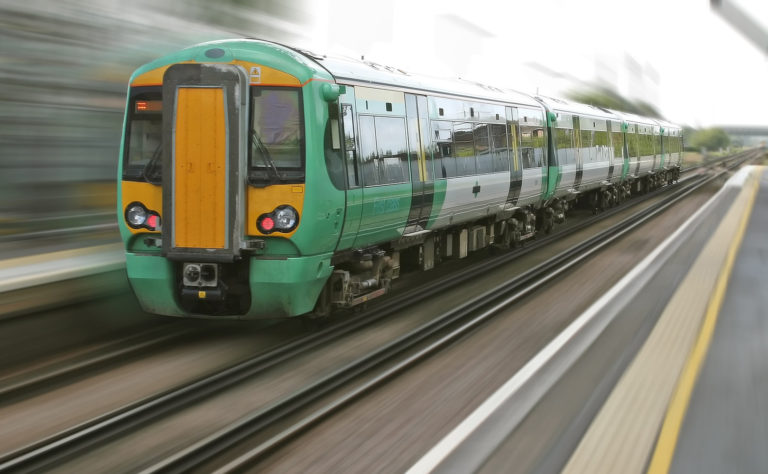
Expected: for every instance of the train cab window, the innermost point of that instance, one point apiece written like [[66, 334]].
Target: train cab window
[[144, 142], [277, 135]]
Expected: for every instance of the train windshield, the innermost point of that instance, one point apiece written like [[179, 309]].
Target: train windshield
[[143, 153], [276, 136]]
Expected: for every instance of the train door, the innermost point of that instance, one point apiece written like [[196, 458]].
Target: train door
[[422, 176], [580, 152], [515, 168], [382, 159], [354, 199]]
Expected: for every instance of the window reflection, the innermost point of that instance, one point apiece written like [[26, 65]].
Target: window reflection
[[500, 148], [276, 133], [464, 149], [383, 150]]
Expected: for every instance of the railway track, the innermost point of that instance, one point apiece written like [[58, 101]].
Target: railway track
[[395, 358], [425, 341]]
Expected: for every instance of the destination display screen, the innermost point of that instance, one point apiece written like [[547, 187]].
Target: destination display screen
[[148, 106]]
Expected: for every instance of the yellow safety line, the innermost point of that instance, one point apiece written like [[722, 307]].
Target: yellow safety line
[[673, 421]]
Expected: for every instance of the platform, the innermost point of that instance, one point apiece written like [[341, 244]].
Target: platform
[[37, 281], [695, 398]]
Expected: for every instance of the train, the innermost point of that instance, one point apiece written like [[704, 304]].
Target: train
[[257, 180]]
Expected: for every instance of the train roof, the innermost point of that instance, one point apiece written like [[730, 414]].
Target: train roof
[[634, 118], [669, 125], [368, 73], [563, 105]]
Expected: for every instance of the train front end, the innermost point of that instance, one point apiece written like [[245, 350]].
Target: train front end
[[225, 206]]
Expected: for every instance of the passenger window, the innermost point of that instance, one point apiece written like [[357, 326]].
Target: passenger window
[[483, 149], [464, 149], [565, 151], [618, 144], [532, 141], [445, 163], [368, 151], [383, 150], [392, 149], [500, 148]]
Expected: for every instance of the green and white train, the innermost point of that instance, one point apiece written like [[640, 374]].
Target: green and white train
[[261, 181]]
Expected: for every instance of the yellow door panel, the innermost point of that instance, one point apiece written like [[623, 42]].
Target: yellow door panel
[[200, 168]]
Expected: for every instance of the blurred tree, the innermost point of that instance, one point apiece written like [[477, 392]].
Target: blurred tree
[[607, 98], [709, 139]]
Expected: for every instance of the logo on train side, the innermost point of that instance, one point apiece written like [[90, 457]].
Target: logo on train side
[[255, 75], [384, 206]]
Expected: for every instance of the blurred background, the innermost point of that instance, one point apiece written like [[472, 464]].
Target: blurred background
[[64, 67]]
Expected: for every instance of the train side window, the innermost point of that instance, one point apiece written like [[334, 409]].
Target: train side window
[[500, 148], [587, 137], [442, 139], [483, 148], [617, 139], [350, 149], [601, 143], [532, 138], [464, 149], [334, 161], [392, 148], [531, 144], [564, 140], [368, 160], [383, 150]]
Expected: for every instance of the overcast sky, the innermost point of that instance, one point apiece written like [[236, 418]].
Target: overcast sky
[[678, 55]]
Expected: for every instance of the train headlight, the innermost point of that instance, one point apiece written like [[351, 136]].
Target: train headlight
[[139, 217], [283, 219], [136, 215]]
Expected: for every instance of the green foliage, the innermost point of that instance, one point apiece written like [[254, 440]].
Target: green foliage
[[609, 99], [708, 138]]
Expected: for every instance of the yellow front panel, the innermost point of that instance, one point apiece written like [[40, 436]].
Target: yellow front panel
[[148, 194], [200, 167], [265, 200]]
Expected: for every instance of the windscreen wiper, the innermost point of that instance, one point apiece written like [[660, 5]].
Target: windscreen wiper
[[151, 170], [265, 156]]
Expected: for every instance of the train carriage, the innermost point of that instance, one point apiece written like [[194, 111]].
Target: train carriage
[[646, 163], [583, 147]]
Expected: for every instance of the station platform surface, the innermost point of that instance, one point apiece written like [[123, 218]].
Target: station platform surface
[[695, 397]]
